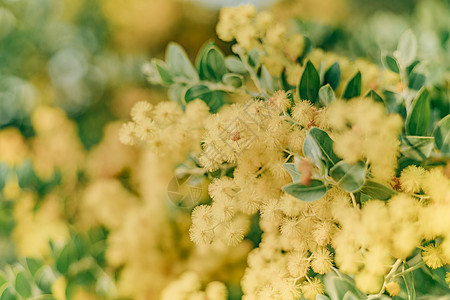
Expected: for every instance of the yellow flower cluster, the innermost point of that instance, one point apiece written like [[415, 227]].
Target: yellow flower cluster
[[188, 287], [370, 239], [260, 31], [371, 75], [164, 127], [295, 241], [55, 148], [256, 139], [57, 145], [362, 130], [145, 239]]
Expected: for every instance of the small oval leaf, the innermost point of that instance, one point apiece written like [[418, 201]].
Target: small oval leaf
[[312, 192], [333, 76], [309, 85], [391, 64], [407, 48], [377, 190], [292, 170], [419, 115], [22, 285], [350, 177], [442, 135], [326, 95], [353, 88]]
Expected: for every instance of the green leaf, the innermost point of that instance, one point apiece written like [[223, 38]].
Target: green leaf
[[33, 265], [235, 65], [411, 67], [71, 288], [375, 97], [353, 88], [333, 76], [326, 95], [65, 258], [377, 190], [309, 85], [350, 177], [391, 63], [253, 58], [417, 148], [416, 81], [350, 296], [312, 192], [409, 283], [318, 147], [322, 297], [3, 288], [234, 80], [292, 170], [407, 48], [337, 287], [22, 285], [363, 198], [267, 82], [441, 135], [8, 294], [45, 278], [163, 72], [419, 115], [214, 99], [179, 63], [3, 279], [4, 170], [176, 93], [211, 65]]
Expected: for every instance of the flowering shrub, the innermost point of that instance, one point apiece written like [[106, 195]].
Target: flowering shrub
[[344, 166], [277, 171]]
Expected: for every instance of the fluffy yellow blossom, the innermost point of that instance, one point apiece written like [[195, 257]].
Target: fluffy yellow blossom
[[112, 197], [303, 112], [216, 290], [362, 131], [13, 148], [432, 256], [368, 282], [321, 261], [393, 288], [56, 145], [280, 100], [411, 179], [34, 230], [312, 288]]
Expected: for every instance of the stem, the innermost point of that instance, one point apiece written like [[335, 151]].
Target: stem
[[252, 73], [354, 201], [410, 269], [388, 277], [393, 270]]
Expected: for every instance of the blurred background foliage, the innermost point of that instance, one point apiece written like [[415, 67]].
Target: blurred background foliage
[[83, 59]]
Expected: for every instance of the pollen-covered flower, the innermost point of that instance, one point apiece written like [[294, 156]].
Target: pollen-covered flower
[[432, 256], [303, 112], [311, 288], [393, 288], [280, 100], [321, 261], [411, 179]]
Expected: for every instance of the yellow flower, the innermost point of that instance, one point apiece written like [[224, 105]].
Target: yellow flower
[[432, 256], [303, 112], [393, 288], [321, 261], [312, 288], [411, 179]]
